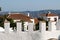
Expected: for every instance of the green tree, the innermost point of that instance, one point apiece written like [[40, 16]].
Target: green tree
[[37, 26], [1, 22], [0, 8], [2, 19], [12, 24], [22, 25]]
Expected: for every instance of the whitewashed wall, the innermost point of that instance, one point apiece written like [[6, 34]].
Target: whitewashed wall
[[52, 18], [52, 26], [50, 34], [58, 25], [25, 26], [30, 34]]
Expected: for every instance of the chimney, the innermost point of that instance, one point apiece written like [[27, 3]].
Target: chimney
[[28, 14], [49, 12]]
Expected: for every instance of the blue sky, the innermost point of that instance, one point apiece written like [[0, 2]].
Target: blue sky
[[30, 5]]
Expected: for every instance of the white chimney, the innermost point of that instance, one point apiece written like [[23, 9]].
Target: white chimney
[[49, 12], [28, 14]]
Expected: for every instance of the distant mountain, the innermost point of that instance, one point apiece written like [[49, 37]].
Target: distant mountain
[[3, 13], [37, 13], [34, 14]]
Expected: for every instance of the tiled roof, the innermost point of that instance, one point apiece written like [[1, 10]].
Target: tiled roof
[[49, 14], [19, 16]]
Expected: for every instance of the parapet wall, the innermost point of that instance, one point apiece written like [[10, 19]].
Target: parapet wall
[[41, 34], [50, 34]]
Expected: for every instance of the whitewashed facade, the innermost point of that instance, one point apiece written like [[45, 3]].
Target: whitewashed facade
[[41, 34]]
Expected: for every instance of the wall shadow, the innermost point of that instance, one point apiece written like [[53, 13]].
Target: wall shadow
[[59, 37]]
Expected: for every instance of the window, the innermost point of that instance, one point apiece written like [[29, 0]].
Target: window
[[55, 19], [46, 25], [48, 19]]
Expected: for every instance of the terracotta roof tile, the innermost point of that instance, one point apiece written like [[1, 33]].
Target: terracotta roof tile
[[49, 14], [19, 16]]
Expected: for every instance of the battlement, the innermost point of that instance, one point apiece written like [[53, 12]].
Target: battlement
[[30, 34]]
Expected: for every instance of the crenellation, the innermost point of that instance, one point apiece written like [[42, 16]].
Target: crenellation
[[28, 32]]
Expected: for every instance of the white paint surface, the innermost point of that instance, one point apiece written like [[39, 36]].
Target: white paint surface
[[52, 26], [25, 26], [30, 35], [7, 26], [19, 26], [42, 26]]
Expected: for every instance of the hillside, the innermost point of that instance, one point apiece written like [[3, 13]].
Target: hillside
[[34, 14]]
